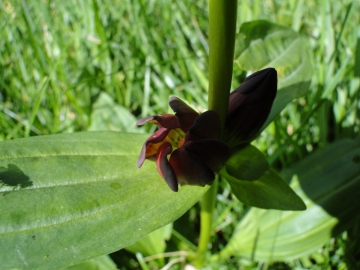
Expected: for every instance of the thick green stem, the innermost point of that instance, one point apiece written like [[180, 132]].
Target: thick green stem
[[222, 22]]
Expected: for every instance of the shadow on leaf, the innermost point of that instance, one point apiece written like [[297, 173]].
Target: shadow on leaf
[[14, 177]]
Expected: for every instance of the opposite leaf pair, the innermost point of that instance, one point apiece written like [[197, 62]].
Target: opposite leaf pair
[[199, 152]]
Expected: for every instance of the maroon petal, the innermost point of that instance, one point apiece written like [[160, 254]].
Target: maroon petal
[[189, 169], [164, 167], [249, 106], [163, 120], [157, 137], [143, 121], [185, 114], [246, 122], [206, 126], [212, 152], [260, 81]]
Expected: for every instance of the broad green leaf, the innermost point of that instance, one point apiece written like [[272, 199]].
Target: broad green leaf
[[246, 163], [72, 197], [329, 182], [100, 263], [268, 192], [261, 44], [107, 115], [153, 243]]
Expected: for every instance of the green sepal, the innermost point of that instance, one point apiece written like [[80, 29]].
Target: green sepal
[[246, 163], [270, 191]]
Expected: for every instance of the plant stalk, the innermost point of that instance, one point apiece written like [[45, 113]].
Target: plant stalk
[[222, 28], [206, 216]]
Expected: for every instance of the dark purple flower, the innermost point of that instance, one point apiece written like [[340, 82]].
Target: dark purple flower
[[249, 107], [191, 140]]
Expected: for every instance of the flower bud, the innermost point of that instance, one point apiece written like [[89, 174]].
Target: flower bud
[[249, 107]]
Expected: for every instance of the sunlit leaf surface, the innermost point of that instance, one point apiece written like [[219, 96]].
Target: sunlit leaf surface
[[153, 243], [329, 182], [99, 263], [71, 197], [107, 115], [261, 44], [246, 163], [269, 191]]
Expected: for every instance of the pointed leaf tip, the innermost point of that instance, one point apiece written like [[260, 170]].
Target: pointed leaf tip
[[270, 191]]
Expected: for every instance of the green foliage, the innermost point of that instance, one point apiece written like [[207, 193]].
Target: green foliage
[[61, 61], [153, 243], [107, 115], [100, 263], [62, 55], [246, 163], [79, 196], [269, 191], [328, 181], [262, 44], [251, 181]]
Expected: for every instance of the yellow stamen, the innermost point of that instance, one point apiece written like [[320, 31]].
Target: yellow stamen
[[181, 142], [174, 137]]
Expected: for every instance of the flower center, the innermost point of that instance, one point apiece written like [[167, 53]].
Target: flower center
[[175, 138]]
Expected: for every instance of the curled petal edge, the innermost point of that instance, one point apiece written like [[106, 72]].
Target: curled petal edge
[[169, 121], [164, 167], [157, 137]]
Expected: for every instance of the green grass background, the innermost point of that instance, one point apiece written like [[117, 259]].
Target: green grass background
[[68, 66]]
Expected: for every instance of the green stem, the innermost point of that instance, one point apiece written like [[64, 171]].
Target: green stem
[[206, 216], [222, 28], [222, 21]]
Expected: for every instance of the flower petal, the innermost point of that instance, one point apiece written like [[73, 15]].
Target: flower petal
[[164, 167], [185, 114], [206, 126], [247, 121], [212, 152], [151, 145], [249, 106], [261, 80], [189, 169], [162, 120]]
